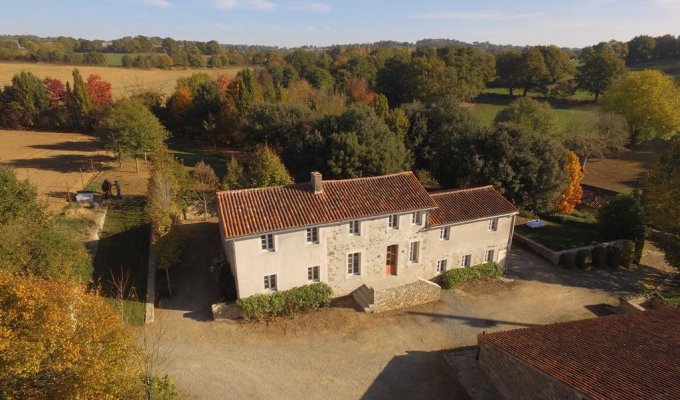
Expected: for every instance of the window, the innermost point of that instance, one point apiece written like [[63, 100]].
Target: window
[[493, 224], [270, 282], [465, 260], [488, 257], [413, 254], [267, 242], [354, 228], [313, 274], [312, 235], [444, 233], [354, 264], [441, 266], [417, 218], [393, 221]]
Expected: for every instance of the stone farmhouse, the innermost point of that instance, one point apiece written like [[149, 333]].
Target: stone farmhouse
[[363, 233]]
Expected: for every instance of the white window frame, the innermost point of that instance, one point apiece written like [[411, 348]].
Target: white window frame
[[445, 233], [393, 221], [493, 224], [267, 242], [414, 252], [355, 228], [313, 235], [354, 263], [313, 274], [270, 282], [441, 266], [490, 252], [466, 261], [417, 218]]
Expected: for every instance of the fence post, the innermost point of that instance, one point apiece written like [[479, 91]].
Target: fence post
[[68, 194]]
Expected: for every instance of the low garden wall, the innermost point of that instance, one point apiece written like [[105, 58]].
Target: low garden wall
[[554, 256], [411, 294]]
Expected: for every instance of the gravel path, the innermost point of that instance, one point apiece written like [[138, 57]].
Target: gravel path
[[344, 354]]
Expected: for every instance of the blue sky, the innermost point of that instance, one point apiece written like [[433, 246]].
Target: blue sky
[[573, 23]]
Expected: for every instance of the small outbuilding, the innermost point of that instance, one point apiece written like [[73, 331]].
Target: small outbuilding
[[631, 357]]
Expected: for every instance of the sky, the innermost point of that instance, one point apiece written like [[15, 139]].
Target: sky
[[291, 23]]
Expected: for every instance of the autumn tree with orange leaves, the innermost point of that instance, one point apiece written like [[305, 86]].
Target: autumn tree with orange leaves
[[571, 196], [99, 90]]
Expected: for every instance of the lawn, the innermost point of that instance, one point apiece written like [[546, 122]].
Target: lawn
[[671, 67], [558, 236], [123, 251], [486, 106], [190, 152]]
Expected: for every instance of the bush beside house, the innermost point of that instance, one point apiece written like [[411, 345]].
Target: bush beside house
[[457, 276], [287, 303]]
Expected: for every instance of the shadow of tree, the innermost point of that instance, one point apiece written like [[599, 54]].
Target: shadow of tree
[[69, 146], [470, 321], [416, 375], [64, 163]]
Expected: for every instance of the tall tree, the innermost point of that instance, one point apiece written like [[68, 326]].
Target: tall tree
[[650, 102], [558, 63], [99, 90], [599, 135], [266, 169], [640, 49], [623, 218], [509, 70], [79, 104], [599, 71], [533, 71], [535, 116], [130, 128], [571, 196], [205, 184], [29, 95]]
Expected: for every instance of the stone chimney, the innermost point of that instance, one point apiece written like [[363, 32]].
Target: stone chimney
[[316, 182]]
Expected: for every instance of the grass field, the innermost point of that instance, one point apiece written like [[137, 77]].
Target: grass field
[[486, 106], [123, 81], [671, 67], [558, 236]]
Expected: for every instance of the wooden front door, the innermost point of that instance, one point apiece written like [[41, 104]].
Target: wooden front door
[[391, 260]]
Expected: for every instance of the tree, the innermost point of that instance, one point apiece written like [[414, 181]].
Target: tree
[[17, 198], [205, 184], [130, 128], [235, 177], [661, 195], [571, 196], [599, 135], [598, 72], [79, 104], [99, 90], [650, 102], [623, 218], [525, 167], [533, 71], [62, 341], [640, 49], [266, 169], [508, 67], [29, 95], [535, 116]]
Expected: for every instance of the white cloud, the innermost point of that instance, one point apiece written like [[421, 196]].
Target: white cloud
[[226, 4], [260, 5], [157, 3], [475, 15], [310, 7]]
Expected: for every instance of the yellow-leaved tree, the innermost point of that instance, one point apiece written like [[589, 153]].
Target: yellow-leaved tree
[[571, 196], [59, 340]]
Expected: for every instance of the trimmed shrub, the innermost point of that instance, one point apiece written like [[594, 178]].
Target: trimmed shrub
[[613, 256], [627, 253], [599, 257], [456, 276], [288, 303], [568, 260], [583, 258], [576, 218]]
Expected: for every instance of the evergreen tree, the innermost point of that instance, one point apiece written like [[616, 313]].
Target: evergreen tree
[[79, 104]]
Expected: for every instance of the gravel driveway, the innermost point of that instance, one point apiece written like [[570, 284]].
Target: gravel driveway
[[344, 354]]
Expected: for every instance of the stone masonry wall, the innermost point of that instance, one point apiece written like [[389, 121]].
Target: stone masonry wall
[[410, 294], [516, 380]]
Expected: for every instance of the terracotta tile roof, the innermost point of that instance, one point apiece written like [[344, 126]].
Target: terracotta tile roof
[[249, 212], [596, 197], [469, 204], [617, 357]]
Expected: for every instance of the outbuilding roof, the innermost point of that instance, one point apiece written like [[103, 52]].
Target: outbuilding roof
[[617, 357], [462, 205], [255, 211]]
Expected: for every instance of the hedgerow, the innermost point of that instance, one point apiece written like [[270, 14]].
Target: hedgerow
[[455, 277], [287, 303]]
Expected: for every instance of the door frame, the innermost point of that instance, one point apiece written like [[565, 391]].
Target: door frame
[[391, 260]]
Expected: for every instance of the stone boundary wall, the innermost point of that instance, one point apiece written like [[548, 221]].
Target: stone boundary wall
[[150, 283], [632, 305], [554, 256], [515, 379], [419, 292]]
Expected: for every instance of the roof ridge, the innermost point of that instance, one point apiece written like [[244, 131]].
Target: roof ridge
[[323, 181], [442, 192]]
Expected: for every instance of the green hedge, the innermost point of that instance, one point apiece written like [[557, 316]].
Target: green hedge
[[287, 303], [456, 276]]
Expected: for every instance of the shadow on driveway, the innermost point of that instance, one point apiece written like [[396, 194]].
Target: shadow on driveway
[[194, 282]]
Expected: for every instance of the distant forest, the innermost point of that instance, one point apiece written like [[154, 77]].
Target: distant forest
[[156, 52]]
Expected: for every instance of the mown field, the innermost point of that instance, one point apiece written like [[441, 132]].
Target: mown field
[[123, 81]]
